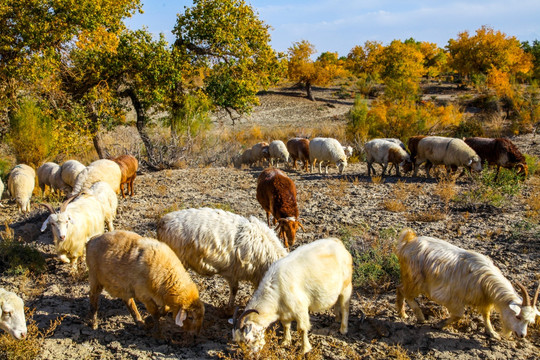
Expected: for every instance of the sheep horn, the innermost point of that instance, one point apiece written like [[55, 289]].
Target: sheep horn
[[49, 207], [234, 318], [241, 318], [535, 299], [526, 298], [65, 203]]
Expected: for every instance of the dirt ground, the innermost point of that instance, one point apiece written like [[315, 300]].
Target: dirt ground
[[331, 205]]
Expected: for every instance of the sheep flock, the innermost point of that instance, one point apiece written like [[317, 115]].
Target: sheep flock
[[160, 247]]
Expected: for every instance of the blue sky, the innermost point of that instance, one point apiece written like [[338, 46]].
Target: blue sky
[[339, 25]]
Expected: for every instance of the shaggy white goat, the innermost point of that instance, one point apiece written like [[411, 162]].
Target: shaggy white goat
[[21, 183], [278, 151], [213, 241], [70, 170], [437, 150], [456, 278], [100, 170], [75, 223], [132, 267], [50, 174], [314, 277], [12, 314], [383, 152], [329, 151]]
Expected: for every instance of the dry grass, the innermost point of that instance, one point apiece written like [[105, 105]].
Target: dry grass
[[337, 190], [401, 191], [426, 216], [377, 179], [446, 190], [532, 202]]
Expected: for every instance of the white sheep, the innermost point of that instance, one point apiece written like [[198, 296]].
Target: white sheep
[[107, 199], [329, 151], [12, 314], [70, 171], [213, 241], [132, 267], [278, 151], [456, 278], [74, 224], [314, 277], [348, 150], [396, 141], [437, 150], [50, 174], [100, 170], [382, 152], [21, 183]]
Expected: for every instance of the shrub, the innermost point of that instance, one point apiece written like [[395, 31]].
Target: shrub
[[16, 257]]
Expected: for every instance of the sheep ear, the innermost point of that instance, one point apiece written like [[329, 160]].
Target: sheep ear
[[45, 223], [231, 321], [470, 162], [515, 308], [180, 317]]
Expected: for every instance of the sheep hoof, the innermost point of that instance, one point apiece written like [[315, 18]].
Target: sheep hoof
[[493, 335]]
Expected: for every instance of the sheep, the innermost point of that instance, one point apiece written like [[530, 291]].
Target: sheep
[[396, 141], [70, 171], [446, 151], [314, 277], [105, 195], [128, 167], [499, 152], [383, 152], [21, 183], [99, 170], [246, 158], [74, 224], [327, 150], [213, 241], [413, 150], [455, 278], [348, 150], [278, 151], [50, 174], [12, 314], [299, 150], [276, 193], [132, 267], [259, 152]]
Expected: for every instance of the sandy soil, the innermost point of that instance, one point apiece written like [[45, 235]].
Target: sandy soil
[[331, 205]]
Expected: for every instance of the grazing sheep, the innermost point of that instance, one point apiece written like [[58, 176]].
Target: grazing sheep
[[446, 151], [100, 170], [12, 314], [50, 174], [246, 158], [299, 150], [314, 277], [456, 278], [327, 150], [213, 241], [278, 151], [128, 167], [499, 152], [383, 152], [132, 267], [396, 141], [259, 152], [276, 193], [75, 223], [21, 183], [70, 171]]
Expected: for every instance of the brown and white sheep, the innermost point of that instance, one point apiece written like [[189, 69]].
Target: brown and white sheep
[[499, 152], [128, 166], [456, 278], [299, 151], [276, 193], [383, 152], [132, 267]]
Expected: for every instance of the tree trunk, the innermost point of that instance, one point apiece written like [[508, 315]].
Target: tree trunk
[[309, 92], [98, 145], [141, 124]]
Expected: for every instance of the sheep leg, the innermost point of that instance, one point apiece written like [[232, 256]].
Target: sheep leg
[[369, 169], [397, 170], [384, 166], [428, 167], [320, 167], [343, 302], [233, 285], [95, 291], [416, 309], [286, 332], [487, 323], [400, 303], [153, 309], [452, 319], [497, 174], [303, 324], [132, 307], [122, 190]]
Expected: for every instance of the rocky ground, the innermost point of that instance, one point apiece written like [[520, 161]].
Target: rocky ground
[[350, 206]]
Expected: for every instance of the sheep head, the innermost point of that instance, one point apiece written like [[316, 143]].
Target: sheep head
[[518, 316], [12, 315], [247, 331], [287, 228], [191, 319]]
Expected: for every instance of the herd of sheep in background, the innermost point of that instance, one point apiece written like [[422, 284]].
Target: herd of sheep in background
[[213, 241]]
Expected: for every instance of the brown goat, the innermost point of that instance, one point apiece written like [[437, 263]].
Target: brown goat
[[499, 152], [298, 149], [276, 193], [129, 166]]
